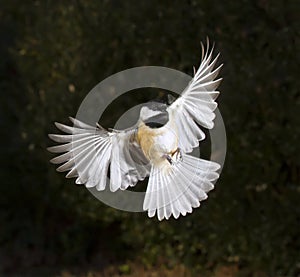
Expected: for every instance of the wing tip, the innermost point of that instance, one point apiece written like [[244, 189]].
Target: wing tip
[[57, 124], [51, 149], [54, 161], [51, 136]]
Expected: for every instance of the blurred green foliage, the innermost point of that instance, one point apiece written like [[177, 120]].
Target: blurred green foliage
[[54, 52]]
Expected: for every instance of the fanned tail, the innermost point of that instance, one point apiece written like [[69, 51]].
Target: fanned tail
[[178, 188]]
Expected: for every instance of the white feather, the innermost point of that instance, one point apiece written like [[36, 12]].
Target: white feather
[[177, 189], [87, 153], [197, 103]]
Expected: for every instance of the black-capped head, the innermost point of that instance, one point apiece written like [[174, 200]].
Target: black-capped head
[[154, 114]]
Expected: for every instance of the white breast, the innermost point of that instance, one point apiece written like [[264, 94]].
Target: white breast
[[167, 141]]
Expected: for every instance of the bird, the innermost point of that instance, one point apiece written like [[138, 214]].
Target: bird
[[158, 146]]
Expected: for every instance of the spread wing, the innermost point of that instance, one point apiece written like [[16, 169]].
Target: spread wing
[[90, 153], [197, 103]]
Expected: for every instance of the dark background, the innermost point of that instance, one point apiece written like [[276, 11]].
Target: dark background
[[54, 52]]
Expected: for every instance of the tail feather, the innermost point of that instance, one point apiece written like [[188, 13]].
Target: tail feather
[[177, 189]]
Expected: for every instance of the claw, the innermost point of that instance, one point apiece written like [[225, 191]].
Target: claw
[[174, 157], [178, 154], [169, 159]]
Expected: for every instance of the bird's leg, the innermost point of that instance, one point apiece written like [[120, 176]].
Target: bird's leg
[[173, 157], [168, 158], [176, 155]]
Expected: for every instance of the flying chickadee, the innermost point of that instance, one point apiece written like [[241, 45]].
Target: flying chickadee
[[156, 146]]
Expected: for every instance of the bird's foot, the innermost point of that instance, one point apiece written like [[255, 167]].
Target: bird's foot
[[174, 157], [168, 158], [177, 156]]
